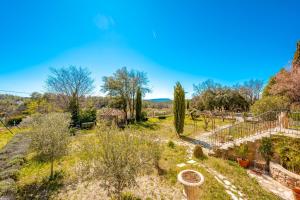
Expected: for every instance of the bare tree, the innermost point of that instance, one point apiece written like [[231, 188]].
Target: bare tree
[[251, 89], [72, 82], [50, 136]]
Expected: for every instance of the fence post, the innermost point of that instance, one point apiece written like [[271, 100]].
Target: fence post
[[283, 120]]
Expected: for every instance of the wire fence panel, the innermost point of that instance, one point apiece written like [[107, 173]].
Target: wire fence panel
[[265, 122]]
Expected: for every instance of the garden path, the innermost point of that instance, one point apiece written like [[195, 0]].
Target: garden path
[[271, 185]]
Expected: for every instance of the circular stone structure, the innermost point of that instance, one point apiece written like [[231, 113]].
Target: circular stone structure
[[191, 180]]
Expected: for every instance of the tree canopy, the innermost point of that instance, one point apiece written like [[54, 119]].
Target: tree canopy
[[123, 85]]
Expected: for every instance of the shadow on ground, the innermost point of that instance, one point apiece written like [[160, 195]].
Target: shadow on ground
[[195, 141], [41, 190]]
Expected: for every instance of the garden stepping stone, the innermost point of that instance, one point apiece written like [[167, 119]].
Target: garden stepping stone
[[227, 183], [191, 162], [181, 165], [233, 197]]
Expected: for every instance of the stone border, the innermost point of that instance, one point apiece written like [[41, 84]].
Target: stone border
[[284, 176]]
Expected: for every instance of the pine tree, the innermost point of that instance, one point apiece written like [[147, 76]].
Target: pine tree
[[138, 107], [179, 108]]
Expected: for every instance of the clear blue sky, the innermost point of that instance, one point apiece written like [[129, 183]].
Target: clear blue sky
[[187, 41]]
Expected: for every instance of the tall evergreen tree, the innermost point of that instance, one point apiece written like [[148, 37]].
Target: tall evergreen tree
[[138, 107], [74, 109], [187, 104], [179, 108]]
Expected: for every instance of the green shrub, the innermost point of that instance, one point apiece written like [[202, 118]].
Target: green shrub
[[242, 151], [198, 152], [129, 196], [171, 144], [266, 150], [144, 116], [13, 121], [288, 151], [73, 131], [88, 115]]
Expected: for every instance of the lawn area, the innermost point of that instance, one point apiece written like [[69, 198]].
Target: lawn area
[[164, 128]]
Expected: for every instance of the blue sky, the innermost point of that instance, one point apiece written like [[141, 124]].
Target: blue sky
[[187, 41]]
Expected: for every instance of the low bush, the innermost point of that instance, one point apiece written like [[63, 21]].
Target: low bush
[[171, 144], [198, 152], [88, 115], [144, 116], [13, 121], [73, 131], [242, 151], [129, 196], [87, 125], [162, 117]]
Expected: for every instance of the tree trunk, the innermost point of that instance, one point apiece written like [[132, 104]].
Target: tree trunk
[[52, 163]]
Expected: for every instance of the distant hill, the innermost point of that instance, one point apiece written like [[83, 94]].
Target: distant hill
[[160, 100]]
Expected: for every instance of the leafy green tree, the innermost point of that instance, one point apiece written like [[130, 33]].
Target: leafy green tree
[[179, 108], [123, 85], [50, 136], [118, 158], [270, 103], [138, 115]]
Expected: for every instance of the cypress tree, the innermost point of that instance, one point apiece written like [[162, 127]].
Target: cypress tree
[[74, 109], [179, 108], [187, 104], [138, 107]]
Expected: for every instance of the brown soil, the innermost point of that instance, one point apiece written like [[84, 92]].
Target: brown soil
[[191, 177]]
